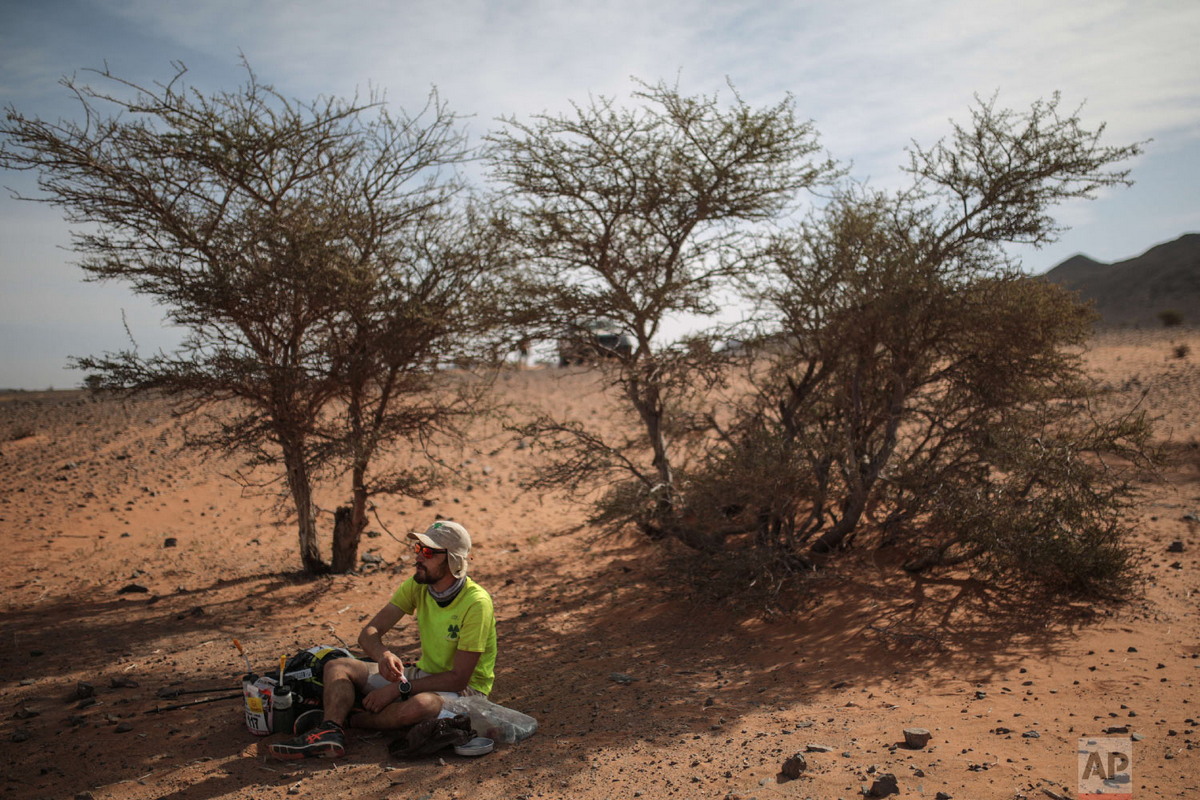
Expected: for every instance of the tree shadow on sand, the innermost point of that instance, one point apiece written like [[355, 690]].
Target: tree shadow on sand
[[614, 646]]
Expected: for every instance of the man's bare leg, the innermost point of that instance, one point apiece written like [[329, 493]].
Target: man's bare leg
[[345, 675], [343, 678], [328, 739], [418, 708]]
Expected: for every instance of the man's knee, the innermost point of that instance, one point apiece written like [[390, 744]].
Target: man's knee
[[350, 669], [425, 705]]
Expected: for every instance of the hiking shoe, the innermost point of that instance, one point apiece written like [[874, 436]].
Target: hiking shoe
[[307, 721], [327, 739]]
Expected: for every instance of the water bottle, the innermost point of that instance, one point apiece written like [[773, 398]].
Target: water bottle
[[283, 709]]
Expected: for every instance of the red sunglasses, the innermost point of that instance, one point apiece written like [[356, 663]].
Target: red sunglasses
[[426, 552]]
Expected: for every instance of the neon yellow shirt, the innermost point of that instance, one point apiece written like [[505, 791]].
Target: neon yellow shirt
[[468, 623]]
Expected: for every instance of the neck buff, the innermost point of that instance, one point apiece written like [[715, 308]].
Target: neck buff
[[444, 598]]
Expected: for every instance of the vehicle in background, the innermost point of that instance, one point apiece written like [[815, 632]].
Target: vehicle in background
[[593, 341]]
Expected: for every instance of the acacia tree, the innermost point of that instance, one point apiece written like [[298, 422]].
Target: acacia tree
[[312, 252], [634, 216], [440, 302], [920, 381]]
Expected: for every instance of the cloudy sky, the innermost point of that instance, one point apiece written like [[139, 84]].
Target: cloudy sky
[[873, 75]]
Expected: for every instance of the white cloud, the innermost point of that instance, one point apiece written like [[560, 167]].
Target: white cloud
[[873, 74]]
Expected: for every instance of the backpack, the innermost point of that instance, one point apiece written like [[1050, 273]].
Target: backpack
[[305, 670]]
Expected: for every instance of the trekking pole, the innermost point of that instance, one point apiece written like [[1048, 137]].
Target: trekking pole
[[238, 645], [168, 693], [157, 710]]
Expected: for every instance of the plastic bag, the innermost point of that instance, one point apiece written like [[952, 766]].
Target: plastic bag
[[492, 720]]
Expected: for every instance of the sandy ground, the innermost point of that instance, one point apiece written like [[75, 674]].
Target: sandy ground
[[644, 685]]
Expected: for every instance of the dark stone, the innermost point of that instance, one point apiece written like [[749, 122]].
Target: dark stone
[[133, 588], [82, 691], [794, 767], [884, 785], [170, 541]]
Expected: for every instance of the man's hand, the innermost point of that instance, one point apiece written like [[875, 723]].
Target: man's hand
[[391, 666], [381, 698]]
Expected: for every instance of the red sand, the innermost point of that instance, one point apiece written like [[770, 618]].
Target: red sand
[[721, 694]]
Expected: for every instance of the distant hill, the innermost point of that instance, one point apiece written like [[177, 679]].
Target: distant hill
[[1132, 293]]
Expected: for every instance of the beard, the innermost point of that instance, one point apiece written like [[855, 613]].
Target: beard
[[425, 575]]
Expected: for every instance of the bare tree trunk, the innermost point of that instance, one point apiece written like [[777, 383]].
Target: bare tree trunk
[[851, 513], [649, 407], [345, 543], [301, 488], [348, 524], [860, 494]]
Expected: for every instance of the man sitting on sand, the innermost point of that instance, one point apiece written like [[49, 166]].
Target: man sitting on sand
[[458, 652]]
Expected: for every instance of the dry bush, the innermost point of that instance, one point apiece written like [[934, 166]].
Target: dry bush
[[923, 388]]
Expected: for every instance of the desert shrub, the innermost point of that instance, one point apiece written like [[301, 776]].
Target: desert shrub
[[1049, 508], [922, 388], [1170, 318], [972, 443], [1181, 351]]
